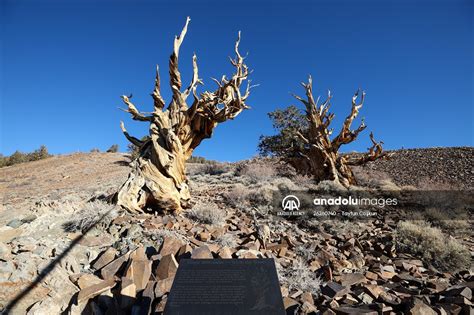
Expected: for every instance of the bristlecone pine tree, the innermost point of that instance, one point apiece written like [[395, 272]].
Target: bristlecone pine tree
[[158, 180], [304, 140]]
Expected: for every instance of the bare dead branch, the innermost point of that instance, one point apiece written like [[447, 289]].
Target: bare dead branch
[[375, 152], [130, 138], [158, 101], [195, 80], [136, 115], [346, 135], [175, 75]]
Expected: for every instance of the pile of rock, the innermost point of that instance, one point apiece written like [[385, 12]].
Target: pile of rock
[[430, 168], [139, 280], [128, 266], [360, 274]]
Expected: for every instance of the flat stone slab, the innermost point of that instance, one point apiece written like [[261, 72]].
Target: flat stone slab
[[225, 286]]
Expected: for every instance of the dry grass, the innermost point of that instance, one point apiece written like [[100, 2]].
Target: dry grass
[[306, 251], [453, 223], [208, 213], [298, 276], [284, 183], [426, 183], [303, 180], [236, 196], [371, 178], [432, 246], [343, 227], [93, 213], [228, 240], [211, 168], [257, 171], [388, 186], [164, 232], [329, 186], [261, 196], [214, 168]]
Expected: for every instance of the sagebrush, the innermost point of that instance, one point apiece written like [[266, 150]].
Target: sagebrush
[[432, 246]]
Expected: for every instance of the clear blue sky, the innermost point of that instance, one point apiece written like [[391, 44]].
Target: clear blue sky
[[64, 65]]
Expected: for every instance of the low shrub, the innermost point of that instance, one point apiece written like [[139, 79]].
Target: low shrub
[[214, 168], [113, 148], [303, 180], [236, 196], [299, 276], [432, 246], [208, 213], [199, 160], [448, 220], [370, 178], [20, 157], [227, 240], [329, 186], [262, 196], [426, 183], [257, 171], [92, 214]]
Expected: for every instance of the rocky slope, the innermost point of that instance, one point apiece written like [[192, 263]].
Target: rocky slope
[[433, 168], [71, 252]]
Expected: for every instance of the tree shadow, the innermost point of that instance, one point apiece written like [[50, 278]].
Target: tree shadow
[[50, 267], [145, 301], [117, 304], [123, 162]]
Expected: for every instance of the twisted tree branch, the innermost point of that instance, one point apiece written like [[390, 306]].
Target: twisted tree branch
[[136, 115]]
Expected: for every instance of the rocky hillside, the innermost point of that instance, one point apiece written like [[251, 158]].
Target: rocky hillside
[[63, 249], [446, 168]]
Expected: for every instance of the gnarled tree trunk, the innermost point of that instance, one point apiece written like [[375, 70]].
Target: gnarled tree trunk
[[158, 177], [320, 156]]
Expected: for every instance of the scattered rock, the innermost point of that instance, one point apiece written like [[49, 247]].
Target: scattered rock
[[420, 308], [459, 290], [171, 245], [225, 253], [333, 289], [45, 307], [5, 252], [15, 223], [8, 233], [111, 269], [95, 289], [361, 269], [128, 292], [105, 258], [290, 304], [10, 289], [202, 252], [103, 240], [348, 279], [163, 286], [87, 280], [139, 270], [167, 267]]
